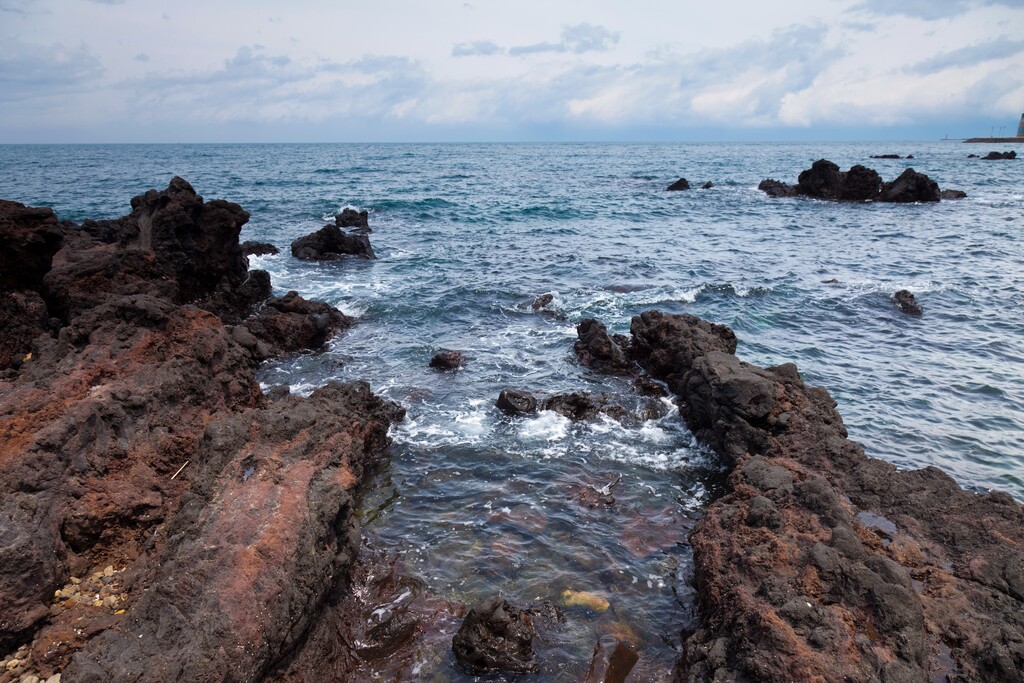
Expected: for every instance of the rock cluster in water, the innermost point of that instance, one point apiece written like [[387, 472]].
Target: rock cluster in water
[[821, 563], [824, 180], [134, 436], [334, 242]]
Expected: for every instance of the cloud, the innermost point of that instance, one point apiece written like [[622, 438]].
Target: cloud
[[481, 48], [141, 57], [577, 39], [929, 9], [971, 55], [28, 70]]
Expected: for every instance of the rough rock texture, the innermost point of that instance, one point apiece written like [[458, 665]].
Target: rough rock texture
[[581, 405], [542, 301], [290, 323], [995, 156], [30, 237], [907, 302], [822, 564], [331, 243], [952, 194], [515, 402], [776, 188], [259, 249], [495, 636], [23, 317], [681, 184], [136, 437], [910, 186], [665, 343], [596, 349], [447, 360], [708, 185], [611, 664], [350, 218], [824, 180]]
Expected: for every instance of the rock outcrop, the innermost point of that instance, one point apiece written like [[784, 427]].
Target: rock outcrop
[[996, 156], [907, 302], [135, 436], [333, 243], [820, 563], [824, 180], [447, 360], [681, 184], [601, 351], [259, 249]]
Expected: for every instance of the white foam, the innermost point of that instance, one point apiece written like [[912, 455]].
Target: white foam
[[548, 426]]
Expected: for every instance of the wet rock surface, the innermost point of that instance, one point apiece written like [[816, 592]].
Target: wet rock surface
[[681, 184], [333, 243], [952, 194], [824, 180], [350, 218], [135, 438], [601, 351], [259, 249], [495, 636], [996, 156], [447, 360], [907, 303], [821, 563]]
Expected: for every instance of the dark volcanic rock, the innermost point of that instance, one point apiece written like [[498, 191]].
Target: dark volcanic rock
[[330, 243], [823, 180], [681, 184], [860, 184], [515, 402], [910, 186], [611, 665], [775, 188], [350, 218], [259, 249], [494, 637], [23, 317], [542, 301], [994, 156], [290, 323], [907, 302], [952, 194], [666, 345], [823, 564], [708, 185], [886, 156], [580, 405], [30, 237], [598, 350], [447, 360]]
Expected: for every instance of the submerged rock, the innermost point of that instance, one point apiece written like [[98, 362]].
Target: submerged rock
[[447, 360], [542, 301], [907, 302], [681, 184], [495, 636], [611, 665], [775, 188]]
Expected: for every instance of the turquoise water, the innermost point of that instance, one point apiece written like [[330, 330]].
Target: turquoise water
[[468, 235]]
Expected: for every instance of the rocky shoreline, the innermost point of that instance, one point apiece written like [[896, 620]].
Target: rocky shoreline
[[162, 518]]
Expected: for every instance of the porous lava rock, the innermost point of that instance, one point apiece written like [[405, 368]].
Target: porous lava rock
[[447, 360], [495, 636], [330, 243], [291, 323], [136, 436], [824, 180], [907, 302], [259, 249], [601, 351], [776, 188], [30, 237], [663, 343], [910, 186], [822, 564], [350, 218], [582, 405]]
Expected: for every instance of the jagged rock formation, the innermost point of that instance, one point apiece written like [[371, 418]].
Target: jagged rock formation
[[820, 563], [332, 243], [135, 436], [824, 180]]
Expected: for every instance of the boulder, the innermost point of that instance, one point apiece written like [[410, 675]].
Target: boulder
[[291, 323], [775, 188], [823, 180], [611, 664], [494, 637], [910, 186], [515, 402], [350, 218], [994, 156], [907, 303], [708, 185], [666, 345], [885, 156], [952, 194], [600, 351], [447, 360], [580, 405], [30, 237], [259, 249], [860, 184], [330, 243], [542, 301], [680, 184]]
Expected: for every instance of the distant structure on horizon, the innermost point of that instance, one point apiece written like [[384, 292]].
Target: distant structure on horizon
[[1019, 138]]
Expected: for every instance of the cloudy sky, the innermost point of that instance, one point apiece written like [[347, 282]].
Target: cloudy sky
[[454, 70]]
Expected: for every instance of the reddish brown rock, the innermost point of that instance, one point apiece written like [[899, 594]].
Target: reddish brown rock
[[290, 323]]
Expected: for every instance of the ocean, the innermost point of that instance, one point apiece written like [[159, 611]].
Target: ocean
[[472, 501]]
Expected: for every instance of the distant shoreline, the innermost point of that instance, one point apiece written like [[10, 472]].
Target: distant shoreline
[[994, 140]]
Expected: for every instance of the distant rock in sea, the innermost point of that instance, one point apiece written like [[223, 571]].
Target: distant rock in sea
[[681, 184], [824, 180]]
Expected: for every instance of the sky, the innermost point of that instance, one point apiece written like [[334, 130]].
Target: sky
[[528, 70]]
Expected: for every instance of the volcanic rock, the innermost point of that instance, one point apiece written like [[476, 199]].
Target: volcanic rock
[[515, 402], [907, 302], [821, 563], [994, 156], [494, 637], [775, 188], [910, 186], [447, 360], [600, 351], [350, 218], [886, 156], [542, 301], [952, 194], [611, 665], [708, 185], [23, 317], [580, 405], [30, 237], [290, 323], [666, 345], [681, 184], [330, 243], [259, 249]]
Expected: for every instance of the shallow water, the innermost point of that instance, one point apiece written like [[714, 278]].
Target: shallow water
[[467, 235]]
